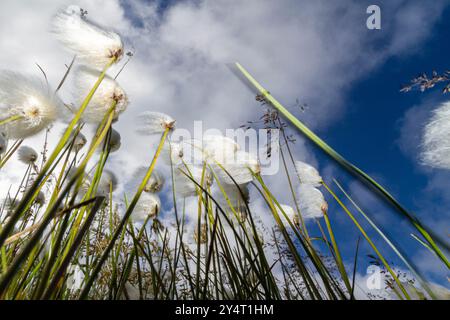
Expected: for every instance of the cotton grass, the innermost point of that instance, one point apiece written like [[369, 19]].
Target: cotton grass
[[311, 202], [91, 44], [27, 100], [27, 155], [149, 123], [148, 206], [108, 183], [79, 141], [436, 139], [154, 184], [108, 94], [241, 166], [308, 174]]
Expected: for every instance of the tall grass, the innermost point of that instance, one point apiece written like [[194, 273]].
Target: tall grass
[[81, 245]]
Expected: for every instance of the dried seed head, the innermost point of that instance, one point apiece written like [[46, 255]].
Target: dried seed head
[[150, 123], [107, 183], [308, 174], [435, 141], [27, 155], [155, 183], [218, 148], [311, 202], [108, 93], [91, 44], [148, 205], [186, 151], [29, 101], [40, 199]]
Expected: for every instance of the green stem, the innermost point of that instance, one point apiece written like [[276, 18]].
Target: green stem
[[124, 220], [11, 119], [31, 194], [347, 165]]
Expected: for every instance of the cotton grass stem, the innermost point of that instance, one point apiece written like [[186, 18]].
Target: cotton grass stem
[[124, 220], [348, 166], [11, 119], [30, 194], [389, 242], [371, 243]]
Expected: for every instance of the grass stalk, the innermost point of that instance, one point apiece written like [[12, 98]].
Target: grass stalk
[[348, 166]]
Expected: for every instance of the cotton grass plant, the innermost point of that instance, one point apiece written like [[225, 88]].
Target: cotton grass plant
[[184, 228]]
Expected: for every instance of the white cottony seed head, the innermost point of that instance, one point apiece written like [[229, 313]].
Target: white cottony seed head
[[27, 155], [308, 174], [155, 183], [108, 93], [311, 202], [91, 44], [436, 139], [218, 148], [107, 183], [232, 196], [150, 123], [30, 101], [240, 165], [148, 205]]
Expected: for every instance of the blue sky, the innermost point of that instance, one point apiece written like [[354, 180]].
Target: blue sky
[[370, 135], [318, 51]]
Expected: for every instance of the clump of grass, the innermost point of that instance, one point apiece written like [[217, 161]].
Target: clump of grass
[[66, 234]]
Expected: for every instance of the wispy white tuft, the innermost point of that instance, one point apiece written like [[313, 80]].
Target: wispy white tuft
[[149, 123], [154, 184], [290, 213], [186, 151], [184, 185], [148, 205], [311, 202], [107, 183], [27, 97], [436, 139], [172, 153], [240, 165], [103, 99], [308, 174], [91, 44], [218, 148], [27, 155]]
